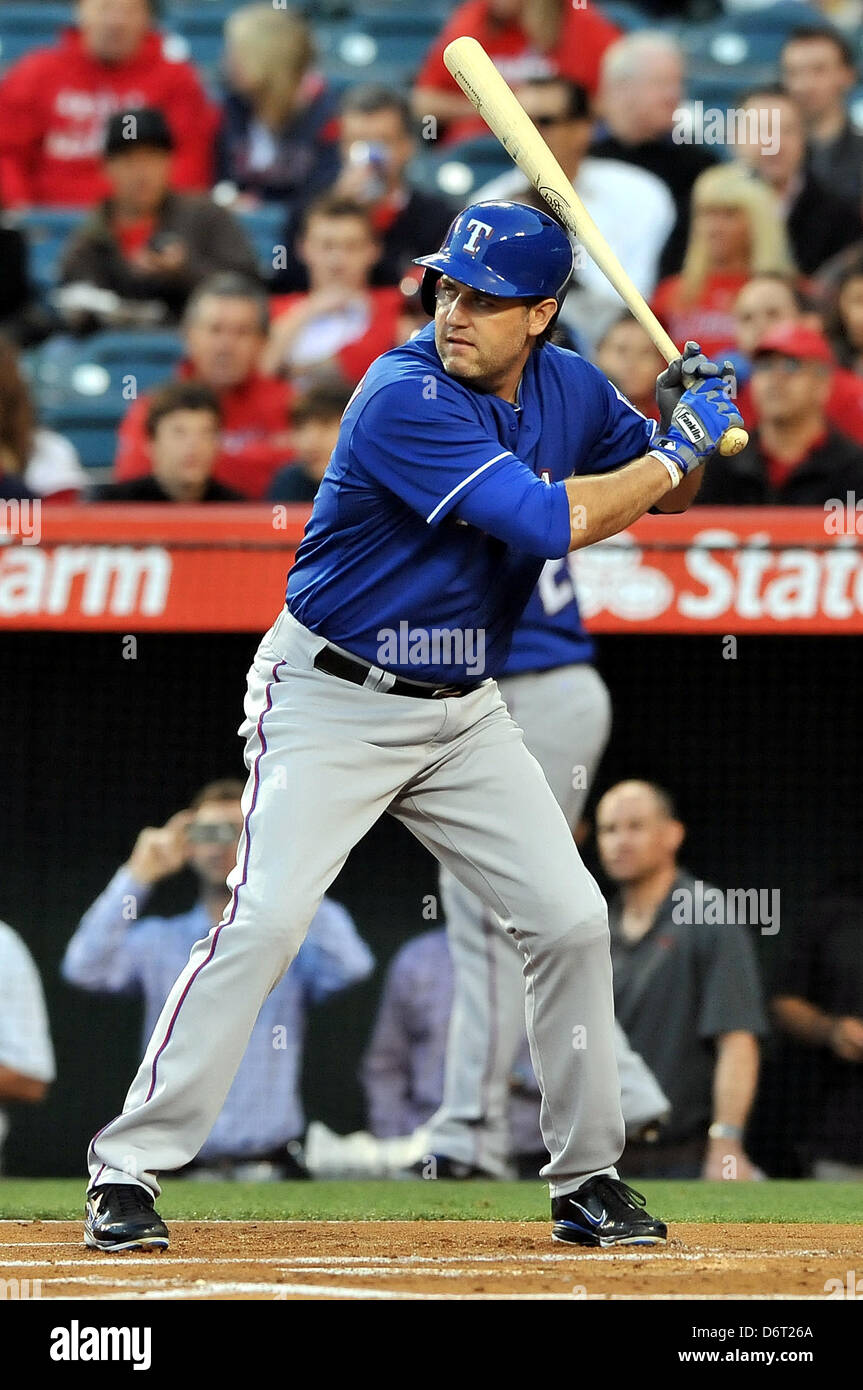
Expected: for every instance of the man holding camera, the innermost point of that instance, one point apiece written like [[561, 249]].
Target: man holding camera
[[117, 950]]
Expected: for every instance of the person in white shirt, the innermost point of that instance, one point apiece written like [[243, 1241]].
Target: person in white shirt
[[633, 209], [26, 1054]]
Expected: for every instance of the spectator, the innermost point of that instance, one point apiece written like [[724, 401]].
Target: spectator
[[818, 1001], [736, 232], [794, 458], [341, 325], [118, 949], [54, 104], [403, 1068], [819, 222], [316, 418], [26, 1054], [631, 361], [146, 242], [376, 144], [525, 39], [34, 461], [641, 92], [765, 302], [847, 319], [183, 422], [818, 72], [686, 991], [225, 330], [277, 138], [15, 289], [609, 190]]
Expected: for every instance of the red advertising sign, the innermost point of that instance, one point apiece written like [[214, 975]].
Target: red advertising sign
[[221, 568]]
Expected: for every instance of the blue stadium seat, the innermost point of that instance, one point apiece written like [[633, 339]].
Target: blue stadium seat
[[460, 169], [47, 231], [376, 46], [85, 387], [265, 228], [197, 34], [751, 39], [25, 27]]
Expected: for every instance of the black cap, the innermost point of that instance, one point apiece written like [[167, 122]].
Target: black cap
[[143, 127]]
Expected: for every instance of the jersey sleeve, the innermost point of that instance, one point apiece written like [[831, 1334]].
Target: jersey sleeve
[[438, 458], [625, 433]]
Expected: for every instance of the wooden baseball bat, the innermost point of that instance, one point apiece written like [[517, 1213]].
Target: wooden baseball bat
[[503, 113]]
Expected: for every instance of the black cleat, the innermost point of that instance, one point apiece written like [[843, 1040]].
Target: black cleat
[[605, 1211], [120, 1216]]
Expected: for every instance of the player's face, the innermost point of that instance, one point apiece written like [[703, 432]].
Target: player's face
[[184, 450], [630, 360], [338, 251], [851, 309], [483, 339], [213, 838], [788, 391], [760, 306], [815, 75], [113, 29], [224, 341], [633, 835]]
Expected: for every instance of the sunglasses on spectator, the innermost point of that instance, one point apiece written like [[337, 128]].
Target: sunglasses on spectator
[[542, 121], [222, 832]]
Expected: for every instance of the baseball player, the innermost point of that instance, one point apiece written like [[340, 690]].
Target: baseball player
[[466, 458]]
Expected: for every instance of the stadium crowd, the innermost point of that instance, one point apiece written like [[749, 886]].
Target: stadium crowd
[[249, 226]]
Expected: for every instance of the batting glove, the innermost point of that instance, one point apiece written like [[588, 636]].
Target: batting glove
[[690, 367], [698, 421]]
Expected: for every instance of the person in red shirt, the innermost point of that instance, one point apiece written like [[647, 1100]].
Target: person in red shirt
[[54, 104], [737, 232], [794, 458], [341, 325], [525, 39], [225, 329], [770, 301]]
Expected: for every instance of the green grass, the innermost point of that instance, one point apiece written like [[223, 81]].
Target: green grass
[[62, 1199]]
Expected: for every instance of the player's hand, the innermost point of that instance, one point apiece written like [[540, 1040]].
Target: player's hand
[[161, 850], [691, 366], [846, 1039], [698, 421]]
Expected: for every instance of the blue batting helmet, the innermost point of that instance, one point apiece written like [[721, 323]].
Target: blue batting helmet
[[505, 249]]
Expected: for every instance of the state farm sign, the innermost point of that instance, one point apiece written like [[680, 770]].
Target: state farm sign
[[221, 568]]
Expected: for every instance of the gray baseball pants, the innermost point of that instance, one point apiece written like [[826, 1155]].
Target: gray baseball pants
[[325, 758]]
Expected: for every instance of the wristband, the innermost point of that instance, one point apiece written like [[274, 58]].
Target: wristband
[[675, 474], [720, 1131]]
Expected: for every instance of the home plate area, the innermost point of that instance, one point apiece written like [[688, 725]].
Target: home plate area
[[428, 1260]]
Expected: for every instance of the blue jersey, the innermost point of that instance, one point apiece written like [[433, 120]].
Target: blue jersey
[[550, 632], [440, 504]]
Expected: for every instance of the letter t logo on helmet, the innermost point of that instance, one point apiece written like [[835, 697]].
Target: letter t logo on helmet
[[475, 227]]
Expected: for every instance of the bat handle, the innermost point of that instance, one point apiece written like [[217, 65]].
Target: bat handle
[[733, 440]]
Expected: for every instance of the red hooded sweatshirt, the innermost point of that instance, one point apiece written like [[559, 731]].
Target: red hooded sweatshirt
[[53, 107]]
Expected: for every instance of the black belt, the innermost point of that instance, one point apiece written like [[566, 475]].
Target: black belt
[[351, 668]]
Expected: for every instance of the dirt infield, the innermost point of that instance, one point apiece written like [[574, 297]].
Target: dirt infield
[[426, 1259]]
